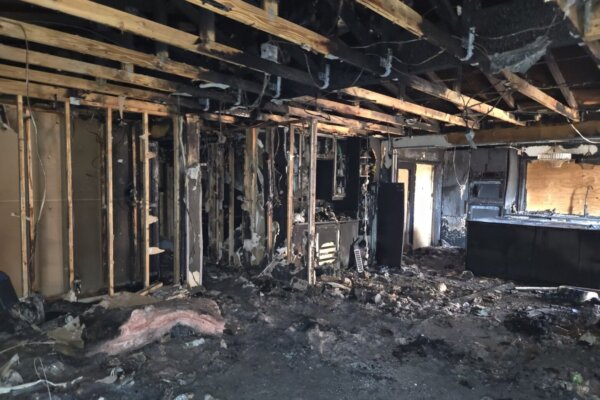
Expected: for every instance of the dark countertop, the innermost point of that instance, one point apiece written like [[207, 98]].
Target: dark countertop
[[549, 222]]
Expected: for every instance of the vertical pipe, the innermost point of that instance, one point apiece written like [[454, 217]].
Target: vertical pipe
[[110, 234], [69, 179], [290, 193], [144, 156], [312, 203], [23, 200], [176, 193]]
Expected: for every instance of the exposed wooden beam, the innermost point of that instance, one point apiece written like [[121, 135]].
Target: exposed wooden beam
[[572, 10], [53, 93], [462, 100], [527, 89], [501, 89], [194, 253], [127, 22], [333, 119], [291, 171], [23, 198], [248, 14], [312, 204], [176, 199], [113, 74], [49, 37], [355, 111], [231, 205], [145, 158], [402, 15], [560, 80], [110, 231], [405, 106], [529, 134], [69, 190], [8, 71]]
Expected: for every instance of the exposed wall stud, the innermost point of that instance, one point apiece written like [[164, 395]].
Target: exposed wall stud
[[312, 203], [290, 191], [69, 187], [23, 200], [144, 156], [176, 193], [110, 236]]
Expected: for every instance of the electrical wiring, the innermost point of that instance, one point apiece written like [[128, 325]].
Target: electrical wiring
[[33, 244], [581, 135], [387, 42], [439, 53]]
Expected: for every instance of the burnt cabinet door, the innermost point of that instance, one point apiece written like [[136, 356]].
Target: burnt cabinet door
[[390, 224]]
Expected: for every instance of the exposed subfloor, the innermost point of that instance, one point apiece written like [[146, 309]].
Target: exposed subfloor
[[424, 332]]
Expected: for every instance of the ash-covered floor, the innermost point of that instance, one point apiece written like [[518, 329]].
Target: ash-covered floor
[[427, 331]]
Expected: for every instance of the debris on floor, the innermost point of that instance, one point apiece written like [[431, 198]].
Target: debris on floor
[[423, 330]]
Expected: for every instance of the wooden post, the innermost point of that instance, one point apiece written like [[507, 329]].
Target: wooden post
[[31, 222], [144, 157], [231, 215], [250, 184], [193, 203], [290, 193], [312, 203], [271, 132], [110, 234], [136, 209], [23, 200], [69, 179], [176, 205]]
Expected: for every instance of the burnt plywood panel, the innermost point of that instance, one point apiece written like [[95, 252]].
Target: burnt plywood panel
[[563, 187]]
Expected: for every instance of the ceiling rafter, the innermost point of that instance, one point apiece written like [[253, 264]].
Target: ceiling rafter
[[559, 78], [50, 37], [15, 54], [248, 14], [537, 95], [405, 17], [149, 29], [54, 93], [412, 108], [355, 111]]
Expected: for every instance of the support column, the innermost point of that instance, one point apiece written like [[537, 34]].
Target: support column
[[144, 156], [110, 234], [69, 184], [231, 216], [193, 203], [290, 192], [23, 200], [176, 202], [312, 203], [251, 186]]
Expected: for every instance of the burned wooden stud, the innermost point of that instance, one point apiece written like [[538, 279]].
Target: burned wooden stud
[[250, 185], [110, 234], [23, 200], [69, 188], [176, 201], [144, 157], [269, 201], [291, 167], [231, 215], [312, 204], [193, 203], [31, 221]]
